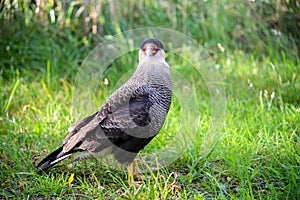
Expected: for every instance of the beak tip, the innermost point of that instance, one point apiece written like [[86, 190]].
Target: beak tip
[[148, 52]]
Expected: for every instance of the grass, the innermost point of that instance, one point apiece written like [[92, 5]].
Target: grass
[[257, 155]]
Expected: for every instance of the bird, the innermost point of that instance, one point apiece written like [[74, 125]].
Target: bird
[[128, 120]]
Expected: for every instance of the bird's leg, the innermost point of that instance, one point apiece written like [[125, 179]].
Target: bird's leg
[[137, 172], [131, 174], [133, 170]]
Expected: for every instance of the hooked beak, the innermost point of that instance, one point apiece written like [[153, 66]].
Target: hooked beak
[[150, 49]]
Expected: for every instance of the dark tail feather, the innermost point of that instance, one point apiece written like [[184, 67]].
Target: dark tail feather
[[54, 158]]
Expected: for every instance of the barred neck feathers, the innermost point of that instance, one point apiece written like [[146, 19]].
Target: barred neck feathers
[[156, 73]]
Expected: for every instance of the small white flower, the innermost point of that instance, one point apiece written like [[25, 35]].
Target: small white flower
[[272, 95], [221, 47], [276, 32], [105, 82], [266, 94]]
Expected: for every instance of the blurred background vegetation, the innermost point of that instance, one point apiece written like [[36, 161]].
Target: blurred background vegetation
[[35, 31]]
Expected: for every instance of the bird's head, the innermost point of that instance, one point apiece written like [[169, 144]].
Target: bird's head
[[151, 48]]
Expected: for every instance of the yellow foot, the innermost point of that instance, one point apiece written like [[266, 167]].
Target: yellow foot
[[133, 171]]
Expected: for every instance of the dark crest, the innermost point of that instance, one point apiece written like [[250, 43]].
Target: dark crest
[[155, 41]]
